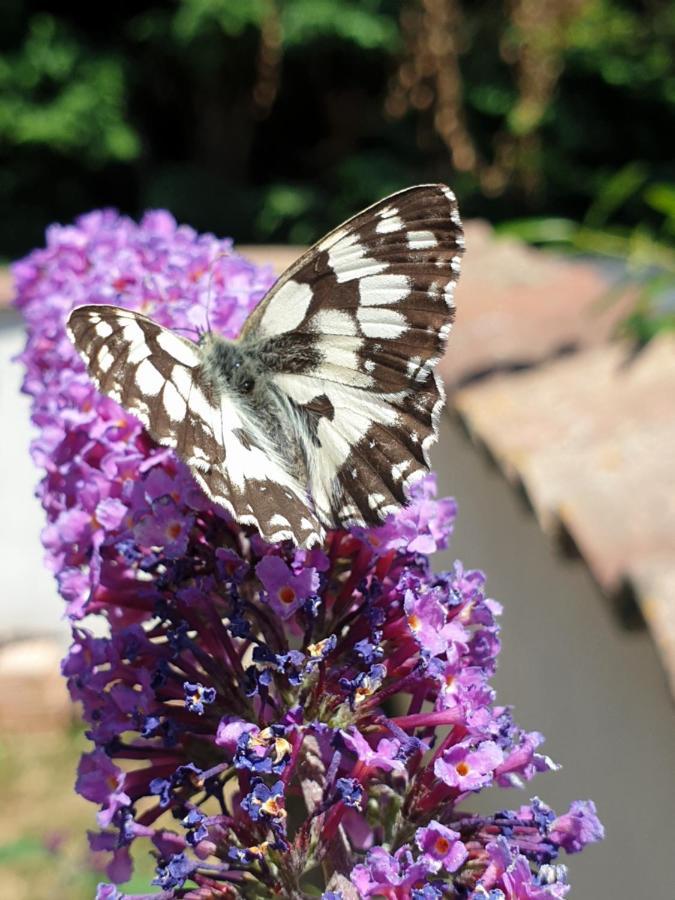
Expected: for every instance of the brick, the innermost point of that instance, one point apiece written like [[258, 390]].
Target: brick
[[517, 306]]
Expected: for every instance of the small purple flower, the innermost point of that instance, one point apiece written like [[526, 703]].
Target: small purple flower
[[384, 756], [265, 802], [427, 892], [442, 845], [194, 822], [518, 883], [119, 866], [522, 763], [197, 696], [578, 827], [165, 527], [428, 622], [285, 590], [468, 769], [349, 791], [175, 873], [107, 892], [263, 751], [425, 525], [100, 781], [230, 728], [384, 875]]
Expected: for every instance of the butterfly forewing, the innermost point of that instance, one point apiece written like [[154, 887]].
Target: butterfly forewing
[[374, 302], [156, 375]]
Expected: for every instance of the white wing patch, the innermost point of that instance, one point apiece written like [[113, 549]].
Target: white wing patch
[[383, 290], [382, 323], [349, 260], [286, 309], [421, 240], [178, 348], [389, 225], [334, 322], [148, 378]]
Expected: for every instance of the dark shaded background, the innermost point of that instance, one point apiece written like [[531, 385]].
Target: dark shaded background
[[273, 121]]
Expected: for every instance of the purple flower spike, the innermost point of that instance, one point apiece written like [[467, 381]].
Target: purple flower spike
[[348, 684]]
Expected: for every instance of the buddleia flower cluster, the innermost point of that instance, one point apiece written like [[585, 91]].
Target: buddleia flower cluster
[[270, 721]]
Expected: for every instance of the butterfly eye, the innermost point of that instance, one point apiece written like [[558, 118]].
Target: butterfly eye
[[246, 386]]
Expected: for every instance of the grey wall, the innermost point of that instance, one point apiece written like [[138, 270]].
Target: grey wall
[[29, 603], [596, 691]]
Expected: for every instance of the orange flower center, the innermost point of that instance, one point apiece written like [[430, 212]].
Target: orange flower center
[[173, 530], [462, 769], [273, 808], [414, 622], [286, 594], [442, 845]]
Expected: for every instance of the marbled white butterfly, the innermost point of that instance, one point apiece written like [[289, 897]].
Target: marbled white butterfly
[[322, 413]]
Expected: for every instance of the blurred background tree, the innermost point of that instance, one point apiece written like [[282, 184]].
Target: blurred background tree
[[271, 120]]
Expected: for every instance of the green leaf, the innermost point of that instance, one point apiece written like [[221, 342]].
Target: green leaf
[[545, 230], [231, 16], [363, 23], [614, 192], [661, 197], [283, 205]]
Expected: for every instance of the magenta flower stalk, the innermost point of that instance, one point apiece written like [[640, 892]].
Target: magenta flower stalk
[[271, 721]]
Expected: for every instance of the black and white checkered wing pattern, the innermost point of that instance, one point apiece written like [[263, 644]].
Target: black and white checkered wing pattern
[[157, 376], [369, 309]]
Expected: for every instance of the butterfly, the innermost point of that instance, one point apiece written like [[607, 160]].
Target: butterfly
[[322, 413]]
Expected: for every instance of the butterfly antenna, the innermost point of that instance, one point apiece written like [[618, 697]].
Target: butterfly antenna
[[218, 256], [196, 330]]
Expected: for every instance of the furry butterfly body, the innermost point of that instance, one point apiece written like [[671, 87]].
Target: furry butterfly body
[[322, 413]]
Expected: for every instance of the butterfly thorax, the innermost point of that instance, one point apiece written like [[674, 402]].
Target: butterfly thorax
[[244, 371]]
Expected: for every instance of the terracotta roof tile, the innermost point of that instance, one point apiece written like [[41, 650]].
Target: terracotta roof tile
[[517, 306], [591, 438]]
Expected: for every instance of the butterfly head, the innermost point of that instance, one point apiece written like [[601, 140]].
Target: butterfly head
[[226, 366]]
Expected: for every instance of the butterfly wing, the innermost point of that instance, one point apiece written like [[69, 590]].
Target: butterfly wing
[[369, 309], [156, 375]]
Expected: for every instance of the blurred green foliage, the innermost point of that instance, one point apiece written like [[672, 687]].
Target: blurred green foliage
[[646, 251], [272, 119], [56, 95], [43, 852]]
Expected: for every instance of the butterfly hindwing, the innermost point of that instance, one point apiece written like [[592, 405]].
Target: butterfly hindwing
[[373, 302], [148, 370], [157, 376]]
